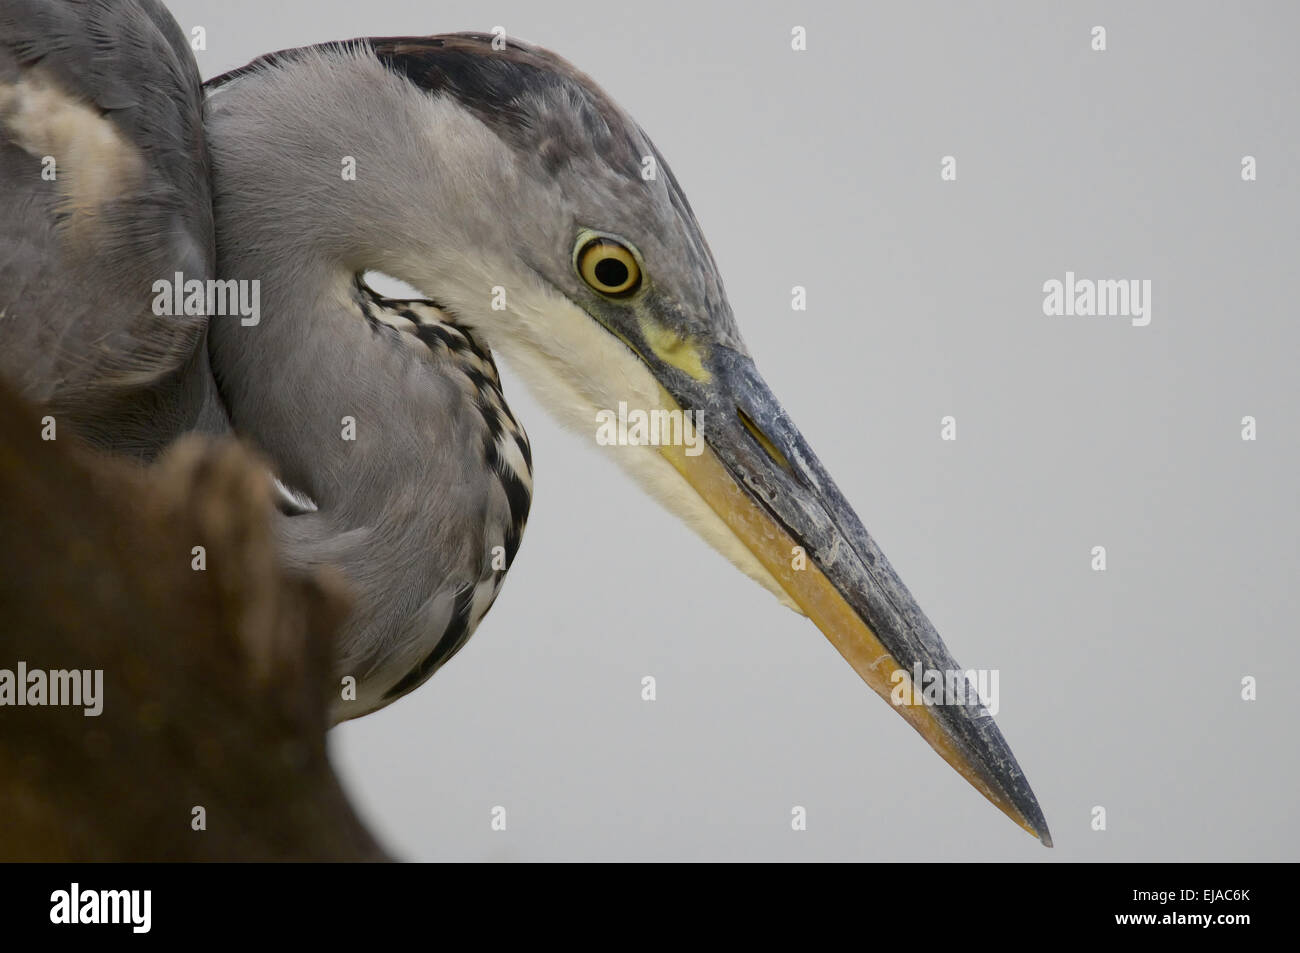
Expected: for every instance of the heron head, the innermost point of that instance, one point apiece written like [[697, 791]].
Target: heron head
[[609, 301]]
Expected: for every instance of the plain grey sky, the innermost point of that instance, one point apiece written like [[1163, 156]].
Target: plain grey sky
[[821, 168]]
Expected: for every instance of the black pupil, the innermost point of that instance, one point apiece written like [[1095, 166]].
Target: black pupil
[[611, 272]]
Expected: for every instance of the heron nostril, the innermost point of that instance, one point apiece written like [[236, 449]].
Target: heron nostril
[[762, 439]]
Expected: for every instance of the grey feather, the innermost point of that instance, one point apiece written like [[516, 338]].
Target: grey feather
[[78, 330]]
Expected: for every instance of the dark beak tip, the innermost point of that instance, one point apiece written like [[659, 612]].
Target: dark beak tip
[[1045, 837]]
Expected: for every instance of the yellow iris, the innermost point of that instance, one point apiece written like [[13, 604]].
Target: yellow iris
[[609, 267]]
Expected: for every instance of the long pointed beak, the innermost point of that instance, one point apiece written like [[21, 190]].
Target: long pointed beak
[[761, 477]]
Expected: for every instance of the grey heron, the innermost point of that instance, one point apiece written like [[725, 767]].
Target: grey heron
[[511, 191]]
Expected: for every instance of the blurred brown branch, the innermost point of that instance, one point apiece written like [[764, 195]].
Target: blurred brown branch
[[215, 681]]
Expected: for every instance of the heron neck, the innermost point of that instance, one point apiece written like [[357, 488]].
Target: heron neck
[[304, 199], [344, 412]]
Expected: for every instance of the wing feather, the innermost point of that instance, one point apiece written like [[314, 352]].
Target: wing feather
[[104, 190]]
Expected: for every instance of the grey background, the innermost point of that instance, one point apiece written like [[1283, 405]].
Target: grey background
[[821, 168]]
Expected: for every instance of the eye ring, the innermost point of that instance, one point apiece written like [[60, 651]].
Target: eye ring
[[609, 267]]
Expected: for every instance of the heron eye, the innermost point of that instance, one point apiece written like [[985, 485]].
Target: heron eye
[[609, 267]]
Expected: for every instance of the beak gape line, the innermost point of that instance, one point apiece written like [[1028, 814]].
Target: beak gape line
[[950, 687], [658, 427]]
